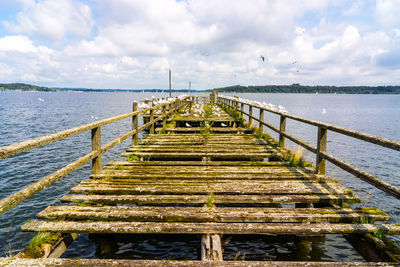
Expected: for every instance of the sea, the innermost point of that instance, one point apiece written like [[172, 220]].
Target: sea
[[27, 115]]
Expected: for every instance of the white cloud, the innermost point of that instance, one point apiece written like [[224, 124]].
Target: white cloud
[[53, 20], [387, 12], [161, 28], [16, 43]]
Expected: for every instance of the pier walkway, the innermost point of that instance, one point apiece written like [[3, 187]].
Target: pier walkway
[[203, 172]]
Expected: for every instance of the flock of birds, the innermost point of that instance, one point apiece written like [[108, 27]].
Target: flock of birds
[[147, 103], [197, 109], [264, 105], [263, 59]]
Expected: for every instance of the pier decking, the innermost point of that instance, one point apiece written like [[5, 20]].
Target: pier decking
[[208, 176]]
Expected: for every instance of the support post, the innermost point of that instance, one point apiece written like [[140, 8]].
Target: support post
[[151, 119], [135, 125], [321, 147], [96, 146], [164, 112], [261, 118], [169, 82], [250, 116], [211, 249], [282, 129], [236, 103], [241, 109]]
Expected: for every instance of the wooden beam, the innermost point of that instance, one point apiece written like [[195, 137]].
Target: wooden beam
[[208, 228]]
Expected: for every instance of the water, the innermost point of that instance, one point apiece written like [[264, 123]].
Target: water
[[25, 115]]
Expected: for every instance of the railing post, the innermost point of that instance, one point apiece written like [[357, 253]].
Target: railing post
[[151, 119], [236, 103], [135, 125], [96, 146], [164, 111], [321, 147], [282, 129], [261, 118], [241, 109], [250, 116]]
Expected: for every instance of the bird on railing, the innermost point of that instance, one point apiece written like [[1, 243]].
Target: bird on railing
[[188, 125], [144, 106], [223, 124], [282, 109]]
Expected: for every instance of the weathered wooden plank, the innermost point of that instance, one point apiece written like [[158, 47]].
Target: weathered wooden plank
[[210, 175], [219, 136], [199, 155], [245, 187], [212, 214], [202, 149], [233, 169], [202, 199], [213, 129], [225, 152], [271, 168], [208, 228], [209, 143], [216, 186], [214, 176], [186, 147], [188, 263], [191, 138], [198, 163]]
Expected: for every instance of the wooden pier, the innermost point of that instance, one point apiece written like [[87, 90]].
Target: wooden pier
[[203, 170]]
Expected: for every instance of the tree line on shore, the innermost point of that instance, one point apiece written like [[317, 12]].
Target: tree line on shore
[[306, 89], [24, 87]]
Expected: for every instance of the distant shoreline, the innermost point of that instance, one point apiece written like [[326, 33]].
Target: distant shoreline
[[269, 89], [21, 87], [305, 89]]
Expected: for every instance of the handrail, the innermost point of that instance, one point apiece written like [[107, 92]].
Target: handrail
[[352, 133], [320, 150], [97, 150], [17, 148]]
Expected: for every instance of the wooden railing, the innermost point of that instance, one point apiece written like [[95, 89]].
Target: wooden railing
[[320, 150], [97, 149]]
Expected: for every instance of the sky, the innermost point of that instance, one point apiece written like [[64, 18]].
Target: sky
[[131, 44]]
